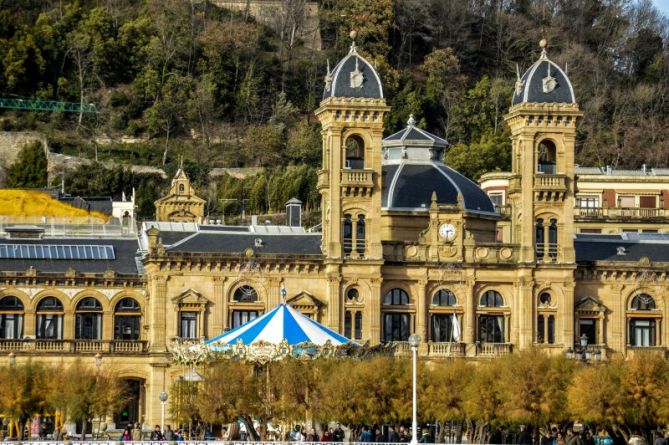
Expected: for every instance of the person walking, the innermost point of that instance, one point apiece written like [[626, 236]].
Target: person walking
[[393, 437], [169, 434], [525, 437], [339, 434], [156, 435], [572, 439], [127, 434], [137, 432], [366, 435]]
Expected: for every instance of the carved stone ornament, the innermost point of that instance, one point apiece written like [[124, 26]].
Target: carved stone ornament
[[520, 86], [357, 78], [549, 84]]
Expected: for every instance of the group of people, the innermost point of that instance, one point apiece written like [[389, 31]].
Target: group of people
[[134, 433], [300, 434]]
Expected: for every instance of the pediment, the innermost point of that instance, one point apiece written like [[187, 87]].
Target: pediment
[[190, 297], [589, 304], [305, 299]]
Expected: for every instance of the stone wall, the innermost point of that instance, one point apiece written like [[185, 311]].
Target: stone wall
[[271, 13]]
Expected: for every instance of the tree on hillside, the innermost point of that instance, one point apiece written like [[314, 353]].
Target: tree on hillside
[[30, 168]]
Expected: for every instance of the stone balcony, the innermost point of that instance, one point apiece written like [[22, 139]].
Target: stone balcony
[[584, 214], [44, 346], [357, 182], [493, 350], [550, 187]]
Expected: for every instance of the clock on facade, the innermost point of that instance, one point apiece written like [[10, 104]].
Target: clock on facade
[[447, 232]]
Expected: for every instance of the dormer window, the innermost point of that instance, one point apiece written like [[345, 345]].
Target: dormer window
[[182, 188]]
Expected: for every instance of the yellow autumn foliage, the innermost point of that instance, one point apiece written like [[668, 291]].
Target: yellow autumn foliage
[[32, 203]]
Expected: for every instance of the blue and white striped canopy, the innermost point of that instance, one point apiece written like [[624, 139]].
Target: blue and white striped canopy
[[281, 323]]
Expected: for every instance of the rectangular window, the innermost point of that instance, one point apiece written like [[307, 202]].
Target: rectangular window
[[587, 202], [642, 332], [188, 324], [497, 199], [627, 201], [50, 326], [589, 328], [358, 325], [241, 317], [126, 327], [491, 329], [11, 326], [396, 327], [540, 329], [591, 230], [647, 202], [551, 329], [89, 326], [347, 324], [442, 328]]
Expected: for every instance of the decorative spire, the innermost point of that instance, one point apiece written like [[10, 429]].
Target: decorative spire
[[283, 292], [542, 43], [411, 122], [353, 34], [328, 78]]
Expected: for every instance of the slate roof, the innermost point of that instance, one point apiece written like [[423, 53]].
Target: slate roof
[[654, 246], [206, 241], [124, 262], [338, 81], [530, 87]]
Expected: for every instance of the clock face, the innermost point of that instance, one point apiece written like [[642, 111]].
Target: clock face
[[447, 232]]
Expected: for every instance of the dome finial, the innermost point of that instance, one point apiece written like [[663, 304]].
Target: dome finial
[[353, 35], [542, 44], [412, 121]]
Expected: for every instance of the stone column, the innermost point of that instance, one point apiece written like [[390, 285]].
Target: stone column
[[374, 308], [218, 307], [469, 324], [567, 315], [526, 311], [421, 309], [334, 297], [158, 314]]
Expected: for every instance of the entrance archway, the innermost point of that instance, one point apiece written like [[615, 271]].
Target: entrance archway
[[132, 411]]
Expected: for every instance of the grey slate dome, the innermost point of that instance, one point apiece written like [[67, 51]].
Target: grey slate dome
[[353, 76], [544, 82], [412, 170]]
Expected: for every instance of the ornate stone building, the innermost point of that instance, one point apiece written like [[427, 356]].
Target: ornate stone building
[[406, 245], [181, 204]]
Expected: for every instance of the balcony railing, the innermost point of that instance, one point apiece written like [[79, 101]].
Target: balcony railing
[[445, 349], [551, 182], [620, 212], [83, 346], [493, 349], [357, 178]]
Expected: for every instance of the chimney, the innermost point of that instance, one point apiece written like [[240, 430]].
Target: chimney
[[294, 213]]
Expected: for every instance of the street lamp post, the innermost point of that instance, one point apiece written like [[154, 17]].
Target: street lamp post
[[414, 341], [98, 363], [163, 398]]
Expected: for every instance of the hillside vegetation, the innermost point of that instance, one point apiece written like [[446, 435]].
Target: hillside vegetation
[[189, 78]]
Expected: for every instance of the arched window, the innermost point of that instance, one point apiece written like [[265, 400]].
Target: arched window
[[89, 319], [49, 319], [545, 320], [182, 188], [352, 294], [443, 297], [348, 234], [491, 298], [396, 296], [491, 323], [11, 318], [396, 323], [245, 294], [643, 319], [360, 235], [355, 152], [547, 157], [127, 315], [643, 302]]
